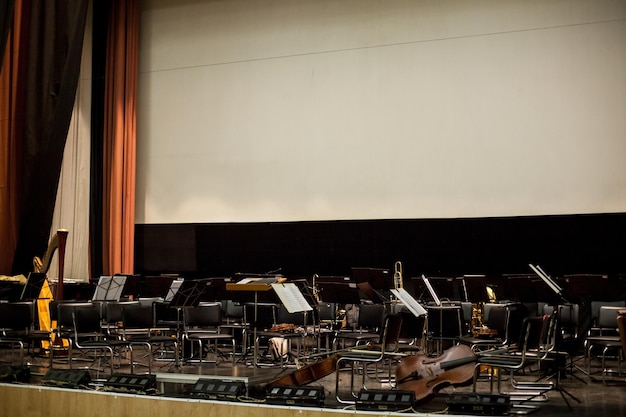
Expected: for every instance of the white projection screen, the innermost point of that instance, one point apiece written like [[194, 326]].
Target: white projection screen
[[294, 110]]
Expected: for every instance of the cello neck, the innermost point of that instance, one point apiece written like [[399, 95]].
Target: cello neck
[[451, 364]]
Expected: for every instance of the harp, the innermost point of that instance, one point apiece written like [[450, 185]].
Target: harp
[[42, 265]]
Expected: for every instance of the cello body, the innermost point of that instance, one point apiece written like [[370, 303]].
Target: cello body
[[426, 376]]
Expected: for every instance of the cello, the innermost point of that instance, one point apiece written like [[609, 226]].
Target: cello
[[425, 376]]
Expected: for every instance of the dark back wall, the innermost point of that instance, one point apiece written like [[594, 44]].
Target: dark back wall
[[568, 244]]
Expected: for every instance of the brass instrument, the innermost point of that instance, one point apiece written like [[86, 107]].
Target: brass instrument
[[397, 275], [477, 318], [316, 293]]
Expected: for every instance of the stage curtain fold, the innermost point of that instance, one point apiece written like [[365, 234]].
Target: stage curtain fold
[[119, 138], [49, 66], [9, 167]]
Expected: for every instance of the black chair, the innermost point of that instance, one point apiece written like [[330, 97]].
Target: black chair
[[502, 325], [202, 325], [603, 339], [17, 328], [369, 326], [533, 347], [113, 317], [445, 326], [360, 357], [138, 328], [88, 336]]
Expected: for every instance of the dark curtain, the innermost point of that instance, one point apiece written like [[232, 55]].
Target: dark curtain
[[6, 18], [101, 16], [49, 79]]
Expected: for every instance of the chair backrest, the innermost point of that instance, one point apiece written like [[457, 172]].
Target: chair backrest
[[621, 325], [497, 319], [297, 318], [412, 327], [113, 310], [518, 312], [607, 317], [208, 315], [137, 317], [65, 318], [595, 309], [326, 311], [537, 335], [569, 319], [445, 321], [263, 318], [371, 317], [86, 319], [232, 311], [392, 327], [16, 316]]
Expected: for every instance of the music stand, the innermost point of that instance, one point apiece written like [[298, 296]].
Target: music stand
[[291, 297], [431, 290], [173, 289], [339, 292], [558, 290], [475, 288], [11, 290], [185, 294], [188, 293], [109, 288], [255, 284], [409, 302], [33, 286]]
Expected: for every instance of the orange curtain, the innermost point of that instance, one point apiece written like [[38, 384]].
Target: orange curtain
[[9, 170], [119, 154]]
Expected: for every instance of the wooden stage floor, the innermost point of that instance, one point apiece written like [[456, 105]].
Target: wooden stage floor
[[596, 398]]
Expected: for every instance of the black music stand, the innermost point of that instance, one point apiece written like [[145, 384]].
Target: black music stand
[[559, 291], [255, 283], [409, 302], [109, 288], [33, 286], [11, 290], [173, 289], [339, 292], [475, 288], [187, 294], [424, 291]]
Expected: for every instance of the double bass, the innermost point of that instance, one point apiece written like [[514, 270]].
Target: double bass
[[425, 376]]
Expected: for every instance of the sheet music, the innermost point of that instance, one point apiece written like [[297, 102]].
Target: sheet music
[[431, 290], [410, 302], [291, 297], [174, 287]]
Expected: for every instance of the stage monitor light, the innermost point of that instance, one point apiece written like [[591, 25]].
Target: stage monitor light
[[15, 374], [67, 378], [212, 389], [295, 395], [130, 383], [385, 400], [479, 404]]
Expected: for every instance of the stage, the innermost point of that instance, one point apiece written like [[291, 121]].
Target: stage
[[172, 395]]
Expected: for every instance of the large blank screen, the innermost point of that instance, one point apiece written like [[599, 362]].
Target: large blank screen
[[287, 110]]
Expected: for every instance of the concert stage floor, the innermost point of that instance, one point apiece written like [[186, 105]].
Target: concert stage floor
[[174, 385]]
